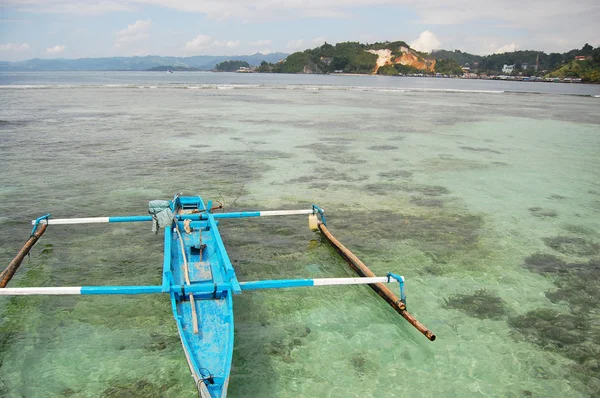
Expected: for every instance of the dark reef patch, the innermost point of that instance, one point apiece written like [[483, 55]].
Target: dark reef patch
[[579, 229], [470, 148], [550, 329], [542, 213], [337, 153], [480, 304], [359, 363], [572, 245], [303, 179], [429, 190], [582, 294], [386, 188], [333, 174], [382, 147], [136, 389], [382, 188], [3, 388], [574, 335], [427, 202], [283, 345], [544, 263], [439, 235], [159, 342], [557, 197], [397, 138], [394, 174]]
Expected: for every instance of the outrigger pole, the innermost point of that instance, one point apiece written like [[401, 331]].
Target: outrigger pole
[[36, 234], [398, 304], [367, 277]]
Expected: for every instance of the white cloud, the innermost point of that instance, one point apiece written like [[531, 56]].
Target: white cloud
[[76, 7], [295, 44], [318, 41], [59, 48], [260, 43], [534, 25], [507, 48], [204, 43], [198, 43], [133, 33], [426, 42], [14, 47]]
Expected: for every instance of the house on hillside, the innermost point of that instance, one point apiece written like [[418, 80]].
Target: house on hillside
[[582, 58], [508, 69], [326, 60]]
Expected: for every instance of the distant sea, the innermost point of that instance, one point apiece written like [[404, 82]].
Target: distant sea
[[485, 195]]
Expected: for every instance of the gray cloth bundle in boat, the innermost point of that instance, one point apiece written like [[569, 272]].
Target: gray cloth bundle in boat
[[162, 215]]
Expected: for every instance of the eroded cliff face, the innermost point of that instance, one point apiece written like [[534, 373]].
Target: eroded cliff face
[[409, 57]]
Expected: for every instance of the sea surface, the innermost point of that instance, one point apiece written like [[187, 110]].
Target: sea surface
[[485, 195]]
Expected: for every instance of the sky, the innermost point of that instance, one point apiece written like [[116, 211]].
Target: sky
[[107, 28]]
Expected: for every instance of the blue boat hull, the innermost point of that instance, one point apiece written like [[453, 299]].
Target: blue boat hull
[[204, 321]]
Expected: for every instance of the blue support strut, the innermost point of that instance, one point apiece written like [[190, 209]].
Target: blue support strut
[[400, 280]]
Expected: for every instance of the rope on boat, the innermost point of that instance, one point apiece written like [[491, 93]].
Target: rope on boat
[[9, 272], [361, 269], [187, 279]]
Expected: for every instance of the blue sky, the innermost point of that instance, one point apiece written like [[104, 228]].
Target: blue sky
[[105, 28]]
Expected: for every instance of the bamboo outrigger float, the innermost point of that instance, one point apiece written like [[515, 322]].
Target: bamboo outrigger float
[[201, 281]]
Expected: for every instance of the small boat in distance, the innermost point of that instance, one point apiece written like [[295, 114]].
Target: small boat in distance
[[244, 69], [200, 279], [169, 71]]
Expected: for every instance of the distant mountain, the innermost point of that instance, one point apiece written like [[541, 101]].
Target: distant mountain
[[166, 68], [201, 62]]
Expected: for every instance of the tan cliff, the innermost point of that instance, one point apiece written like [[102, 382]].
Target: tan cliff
[[409, 57]]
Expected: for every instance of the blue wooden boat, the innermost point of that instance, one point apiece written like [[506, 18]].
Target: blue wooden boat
[[195, 255], [201, 281]]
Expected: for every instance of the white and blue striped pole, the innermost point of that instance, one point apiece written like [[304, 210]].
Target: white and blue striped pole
[[193, 217], [194, 288], [287, 283]]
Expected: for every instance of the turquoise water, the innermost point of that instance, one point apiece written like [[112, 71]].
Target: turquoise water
[[486, 200]]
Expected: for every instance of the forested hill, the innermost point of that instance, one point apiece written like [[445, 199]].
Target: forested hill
[[353, 57]]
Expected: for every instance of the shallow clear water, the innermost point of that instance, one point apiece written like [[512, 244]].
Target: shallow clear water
[[486, 200]]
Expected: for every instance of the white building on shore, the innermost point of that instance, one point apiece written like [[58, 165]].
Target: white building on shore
[[508, 69]]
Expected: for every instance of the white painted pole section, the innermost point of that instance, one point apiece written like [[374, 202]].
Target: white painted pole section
[[30, 291], [284, 212], [353, 281], [61, 221]]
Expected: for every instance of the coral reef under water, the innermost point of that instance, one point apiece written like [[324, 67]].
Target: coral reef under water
[[575, 335], [135, 389], [573, 245], [440, 235], [426, 202], [542, 213], [481, 304]]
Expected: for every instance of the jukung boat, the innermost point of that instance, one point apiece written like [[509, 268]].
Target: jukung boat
[[201, 281]]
